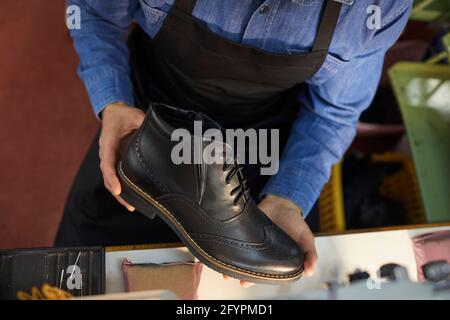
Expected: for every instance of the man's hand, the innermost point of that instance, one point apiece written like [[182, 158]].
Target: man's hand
[[118, 121], [288, 217]]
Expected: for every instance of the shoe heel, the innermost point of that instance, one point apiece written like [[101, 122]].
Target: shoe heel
[[130, 196]]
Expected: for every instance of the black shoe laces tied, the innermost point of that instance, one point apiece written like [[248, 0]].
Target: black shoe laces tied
[[242, 189], [231, 165]]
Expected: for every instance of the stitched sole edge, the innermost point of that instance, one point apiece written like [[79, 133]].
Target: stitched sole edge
[[149, 207]]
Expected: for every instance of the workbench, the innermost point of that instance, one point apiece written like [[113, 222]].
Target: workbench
[[339, 255]]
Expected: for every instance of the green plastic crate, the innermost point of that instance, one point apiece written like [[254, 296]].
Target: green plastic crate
[[423, 93], [431, 10], [446, 43]]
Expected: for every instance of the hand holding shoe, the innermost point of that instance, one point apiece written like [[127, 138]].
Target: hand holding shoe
[[206, 204], [118, 121], [288, 217]]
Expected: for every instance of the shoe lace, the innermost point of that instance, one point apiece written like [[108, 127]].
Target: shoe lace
[[242, 189]]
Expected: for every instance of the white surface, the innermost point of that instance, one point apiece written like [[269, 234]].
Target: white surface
[[338, 256], [402, 290], [137, 295]]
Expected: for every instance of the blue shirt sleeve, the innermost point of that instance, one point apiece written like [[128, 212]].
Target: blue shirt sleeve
[[101, 47], [328, 116]]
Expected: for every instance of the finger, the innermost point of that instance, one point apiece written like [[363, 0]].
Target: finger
[[310, 263], [111, 181], [226, 277], [124, 203], [306, 242], [246, 284], [108, 151]]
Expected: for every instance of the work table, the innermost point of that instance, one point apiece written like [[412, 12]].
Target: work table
[[339, 255]]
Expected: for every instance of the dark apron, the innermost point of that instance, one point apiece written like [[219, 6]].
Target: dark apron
[[189, 66]]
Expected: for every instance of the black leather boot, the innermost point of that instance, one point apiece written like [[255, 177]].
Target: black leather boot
[[208, 206]]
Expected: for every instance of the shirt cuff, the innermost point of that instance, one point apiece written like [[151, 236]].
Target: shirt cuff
[[108, 86], [295, 185]]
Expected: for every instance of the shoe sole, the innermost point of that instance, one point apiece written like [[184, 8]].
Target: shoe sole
[[149, 207]]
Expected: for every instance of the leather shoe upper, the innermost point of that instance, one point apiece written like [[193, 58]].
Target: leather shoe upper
[[210, 201]]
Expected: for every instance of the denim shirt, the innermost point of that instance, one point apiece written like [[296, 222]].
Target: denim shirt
[[328, 110]]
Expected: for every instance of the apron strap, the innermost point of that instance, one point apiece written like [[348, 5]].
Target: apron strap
[[186, 6], [327, 25]]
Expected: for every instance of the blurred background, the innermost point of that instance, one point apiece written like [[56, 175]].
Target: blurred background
[[46, 121]]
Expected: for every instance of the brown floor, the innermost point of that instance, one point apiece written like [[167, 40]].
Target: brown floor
[[46, 122]]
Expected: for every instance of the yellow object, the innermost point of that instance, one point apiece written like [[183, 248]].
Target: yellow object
[[331, 203], [400, 186], [47, 292]]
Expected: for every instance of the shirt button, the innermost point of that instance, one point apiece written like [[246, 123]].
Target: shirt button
[[264, 9]]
